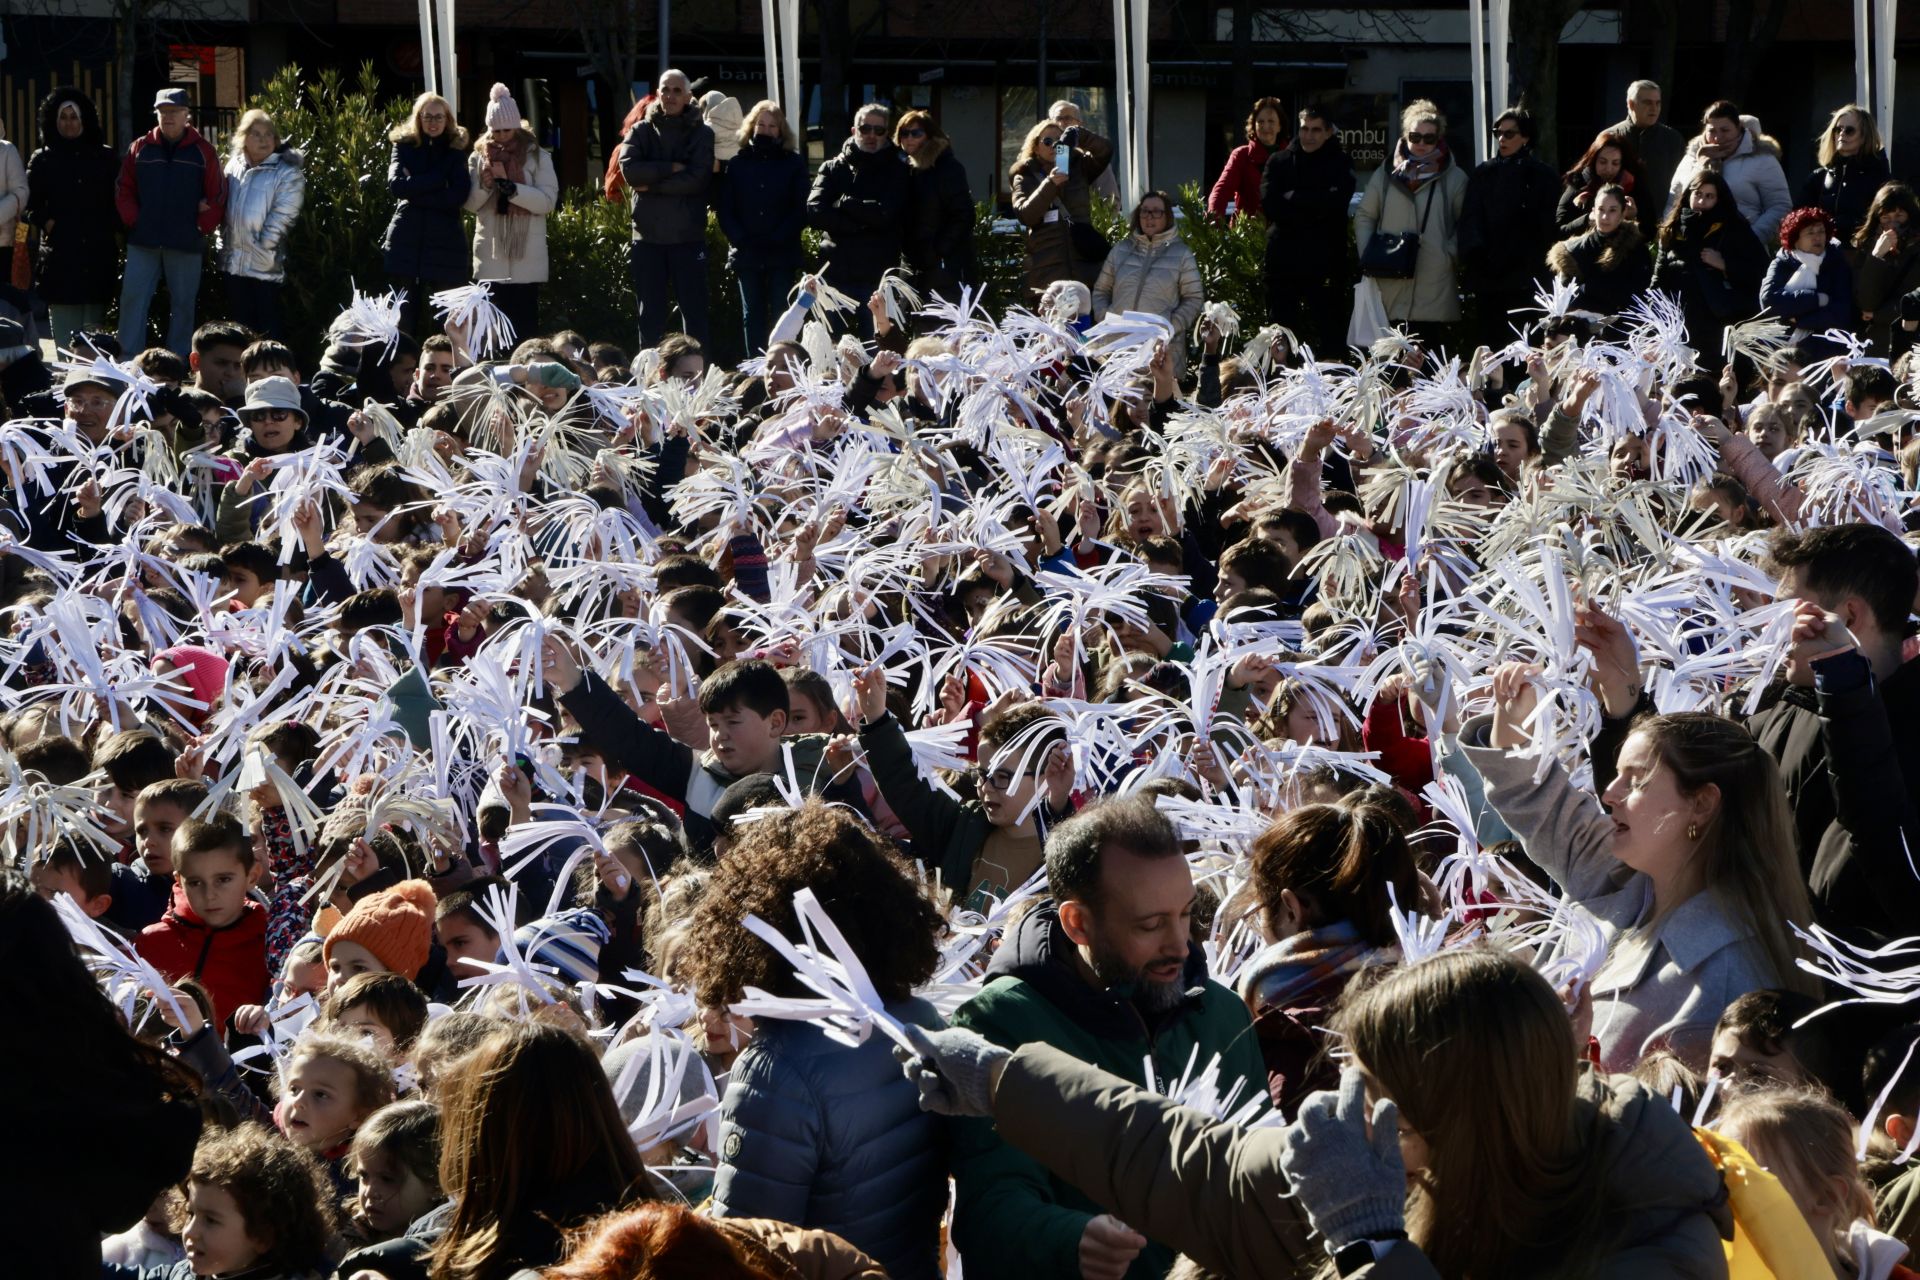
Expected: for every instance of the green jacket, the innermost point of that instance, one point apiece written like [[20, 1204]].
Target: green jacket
[[1012, 1217], [946, 832]]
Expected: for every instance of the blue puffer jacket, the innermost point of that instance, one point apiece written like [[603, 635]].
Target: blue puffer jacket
[[828, 1137], [426, 239], [762, 207]]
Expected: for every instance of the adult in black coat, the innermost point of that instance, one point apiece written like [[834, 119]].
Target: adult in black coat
[[940, 245], [1610, 263], [1305, 192], [425, 245], [1853, 167], [97, 1138], [70, 183], [860, 200], [1506, 228], [762, 208], [1711, 261]]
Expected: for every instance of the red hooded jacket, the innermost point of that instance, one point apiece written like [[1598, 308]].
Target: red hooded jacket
[[231, 962]]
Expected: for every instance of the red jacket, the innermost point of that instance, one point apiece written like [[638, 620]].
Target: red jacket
[[161, 188], [1239, 181], [231, 963]]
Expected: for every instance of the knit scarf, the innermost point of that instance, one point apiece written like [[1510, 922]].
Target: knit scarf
[[1806, 276], [1415, 171], [508, 235]]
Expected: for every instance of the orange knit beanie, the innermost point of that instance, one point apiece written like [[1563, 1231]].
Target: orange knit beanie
[[396, 925]]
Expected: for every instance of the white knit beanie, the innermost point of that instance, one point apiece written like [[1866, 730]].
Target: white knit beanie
[[502, 111]]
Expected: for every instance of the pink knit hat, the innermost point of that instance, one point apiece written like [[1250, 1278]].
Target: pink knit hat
[[203, 670], [502, 111]]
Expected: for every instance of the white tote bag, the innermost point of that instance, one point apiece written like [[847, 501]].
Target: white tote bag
[[1369, 323]]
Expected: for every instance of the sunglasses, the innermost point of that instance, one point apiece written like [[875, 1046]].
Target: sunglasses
[[1845, 130], [1424, 139], [1504, 134], [1049, 142], [913, 133], [271, 415], [873, 130]]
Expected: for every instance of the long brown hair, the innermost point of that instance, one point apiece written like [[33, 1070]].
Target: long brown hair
[[1339, 862], [1476, 1051], [1748, 858], [1890, 196], [527, 1111]]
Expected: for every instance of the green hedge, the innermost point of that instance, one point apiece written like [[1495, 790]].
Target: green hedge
[[342, 127]]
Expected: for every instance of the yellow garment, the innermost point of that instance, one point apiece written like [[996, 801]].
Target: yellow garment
[[1771, 1240]]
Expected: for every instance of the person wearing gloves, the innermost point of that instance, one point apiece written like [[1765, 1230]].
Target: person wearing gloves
[[1153, 271], [514, 188], [1748, 159], [428, 177], [762, 208], [667, 161], [1465, 1140], [1107, 975], [266, 185], [860, 201], [1809, 283]]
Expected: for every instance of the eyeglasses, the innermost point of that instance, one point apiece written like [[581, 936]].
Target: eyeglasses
[[913, 133], [999, 779], [1424, 139], [1846, 130], [1152, 211], [1504, 134], [873, 130]]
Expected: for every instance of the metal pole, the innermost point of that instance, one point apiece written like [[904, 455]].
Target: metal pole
[[1122, 98], [666, 36], [1477, 58], [449, 59], [1502, 13], [429, 65], [1040, 73], [790, 50], [1884, 73], [1862, 55], [770, 40], [1143, 96]]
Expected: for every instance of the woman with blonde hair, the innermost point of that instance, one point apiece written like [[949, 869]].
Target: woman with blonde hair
[[1055, 204], [940, 244], [1419, 191], [1853, 166], [1465, 1140], [424, 246], [513, 189], [762, 208], [266, 185]]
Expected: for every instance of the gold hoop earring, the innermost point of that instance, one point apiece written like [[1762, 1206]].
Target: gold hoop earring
[[1693, 831]]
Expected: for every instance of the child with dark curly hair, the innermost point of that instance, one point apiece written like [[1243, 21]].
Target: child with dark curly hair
[[257, 1205], [813, 1133]]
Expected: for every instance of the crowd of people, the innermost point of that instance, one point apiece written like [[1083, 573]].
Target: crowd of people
[[1108, 789]]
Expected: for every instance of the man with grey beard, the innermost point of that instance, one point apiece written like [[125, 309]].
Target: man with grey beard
[[1107, 971]]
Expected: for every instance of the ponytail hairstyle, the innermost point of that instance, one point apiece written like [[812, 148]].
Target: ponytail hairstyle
[[1747, 853], [1474, 1048], [1806, 1140], [1340, 863]]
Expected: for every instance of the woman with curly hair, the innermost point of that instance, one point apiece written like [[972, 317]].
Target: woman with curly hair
[[814, 1133], [1810, 284]]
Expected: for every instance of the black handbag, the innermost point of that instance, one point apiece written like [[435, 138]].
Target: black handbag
[[1088, 244], [1395, 255]]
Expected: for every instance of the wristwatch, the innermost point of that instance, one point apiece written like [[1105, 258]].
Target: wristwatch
[[1350, 1259]]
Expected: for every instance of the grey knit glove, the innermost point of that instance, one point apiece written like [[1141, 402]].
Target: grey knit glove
[[1352, 1186], [953, 1068]]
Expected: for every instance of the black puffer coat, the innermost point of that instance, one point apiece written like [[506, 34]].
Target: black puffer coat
[[426, 239], [70, 201]]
